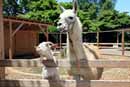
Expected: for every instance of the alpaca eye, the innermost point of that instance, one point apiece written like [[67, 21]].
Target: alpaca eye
[[70, 18]]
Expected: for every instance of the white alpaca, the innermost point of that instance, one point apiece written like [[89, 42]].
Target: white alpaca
[[45, 52], [70, 23]]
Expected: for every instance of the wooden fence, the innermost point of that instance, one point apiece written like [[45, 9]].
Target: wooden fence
[[99, 44], [65, 83]]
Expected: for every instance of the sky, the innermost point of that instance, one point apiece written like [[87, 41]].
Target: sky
[[121, 5]]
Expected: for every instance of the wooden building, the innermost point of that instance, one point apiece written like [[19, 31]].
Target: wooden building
[[21, 35]]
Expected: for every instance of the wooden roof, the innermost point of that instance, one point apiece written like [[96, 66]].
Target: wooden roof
[[24, 24], [25, 21]]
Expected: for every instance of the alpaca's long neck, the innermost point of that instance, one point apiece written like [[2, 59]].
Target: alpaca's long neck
[[74, 42]]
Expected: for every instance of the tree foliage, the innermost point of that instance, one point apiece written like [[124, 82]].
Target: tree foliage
[[94, 14], [101, 15]]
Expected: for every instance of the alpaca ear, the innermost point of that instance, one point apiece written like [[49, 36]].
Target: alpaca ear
[[75, 6], [62, 8]]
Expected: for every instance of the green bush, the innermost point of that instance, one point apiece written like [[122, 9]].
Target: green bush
[[52, 29]]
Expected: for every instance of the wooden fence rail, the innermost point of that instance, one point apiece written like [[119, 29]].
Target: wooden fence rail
[[64, 83], [64, 63]]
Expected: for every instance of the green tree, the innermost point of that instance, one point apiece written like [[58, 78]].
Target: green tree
[[94, 14], [101, 15], [23, 5], [15, 7], [11, 7], [42, 10]]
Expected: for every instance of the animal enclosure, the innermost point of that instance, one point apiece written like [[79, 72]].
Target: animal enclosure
[[66, 83]]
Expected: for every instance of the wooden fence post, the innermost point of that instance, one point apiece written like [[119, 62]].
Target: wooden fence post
[[98, 39], [117, 39], [47, 34], [11, 41], [123, 40], [2, 69], [60, 41]]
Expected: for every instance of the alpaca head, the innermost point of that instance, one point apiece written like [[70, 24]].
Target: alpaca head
[[67, 18], [44, 48]]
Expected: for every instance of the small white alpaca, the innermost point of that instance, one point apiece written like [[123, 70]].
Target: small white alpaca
[[45, 52]]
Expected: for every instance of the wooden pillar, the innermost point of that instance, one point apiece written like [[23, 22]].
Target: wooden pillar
[[60, 40], [47, 36], [45, 32], [98, 39], [2, 57], [117, 37], [123, 45], [11, 41]]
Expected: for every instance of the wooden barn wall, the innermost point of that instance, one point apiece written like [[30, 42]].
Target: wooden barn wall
[[23, 42]]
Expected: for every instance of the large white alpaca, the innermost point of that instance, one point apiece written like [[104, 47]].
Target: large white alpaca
[[70, 23]]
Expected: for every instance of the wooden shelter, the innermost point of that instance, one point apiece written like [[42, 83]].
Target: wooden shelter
[[21, 35]]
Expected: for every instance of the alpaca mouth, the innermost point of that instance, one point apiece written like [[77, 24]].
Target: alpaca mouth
[[64, 29]]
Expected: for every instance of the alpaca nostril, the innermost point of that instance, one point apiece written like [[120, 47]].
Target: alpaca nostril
[[59, 24]]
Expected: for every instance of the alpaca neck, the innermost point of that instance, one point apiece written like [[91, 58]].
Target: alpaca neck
[[74, 42]]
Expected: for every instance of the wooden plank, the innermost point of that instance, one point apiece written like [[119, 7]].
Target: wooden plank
[[65, 64], [23, 83], [2, 69], [26, 22], [45, 31], [17, 29], [117, 37], [20, 63], [11, 41], [97, 39], [123, 41], [109, 43], [110, 83], [60, 37], [47, 35], [64, 83], [100, 63], [117, 30], [1, 32]]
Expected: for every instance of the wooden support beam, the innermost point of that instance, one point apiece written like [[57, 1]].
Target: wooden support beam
[[17, 29], [45, 31], [60, 40], [47, 35], [2, 57], [117, 37], [110, 43], [1, 32], [42, 29], [26, 22], [65, 64], [64, 83], [11, 41], [117, 30], [97, 39], [123, 41]]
